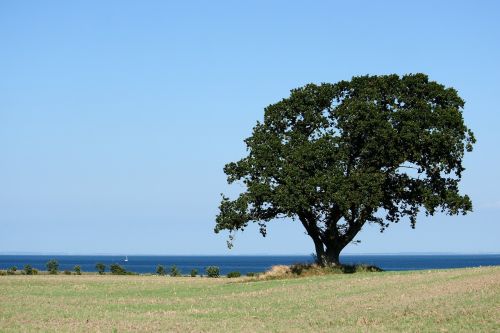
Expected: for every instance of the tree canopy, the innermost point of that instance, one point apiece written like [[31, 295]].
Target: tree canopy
[[376, 149]]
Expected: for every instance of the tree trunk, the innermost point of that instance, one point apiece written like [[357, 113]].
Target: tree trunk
[[333, 256], [327, 254], [330, 257], [327, 249]]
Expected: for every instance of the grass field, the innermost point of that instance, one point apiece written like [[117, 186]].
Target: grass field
[[461, 300]]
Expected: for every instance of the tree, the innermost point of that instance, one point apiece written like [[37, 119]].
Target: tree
[[78, 270], [174, 271], [212, 271], [375, 149], [28, 270], [100, 267], [52, 266], [116, 269], [160, 270]]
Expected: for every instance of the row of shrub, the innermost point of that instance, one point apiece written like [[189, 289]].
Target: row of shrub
[[116, 269], [53, 268], [211, 271], [276, 272], [28, 270]]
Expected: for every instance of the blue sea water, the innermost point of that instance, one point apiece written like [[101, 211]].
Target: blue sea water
[[245, 264]]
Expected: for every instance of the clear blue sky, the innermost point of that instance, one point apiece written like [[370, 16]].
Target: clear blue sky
[[117, 117]]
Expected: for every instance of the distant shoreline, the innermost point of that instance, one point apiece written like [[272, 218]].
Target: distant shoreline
[[241, 255], [247, 263]]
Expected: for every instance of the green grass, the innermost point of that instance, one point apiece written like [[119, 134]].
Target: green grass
[[461, 300]]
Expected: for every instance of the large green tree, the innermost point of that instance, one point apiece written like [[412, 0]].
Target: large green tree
[[375, 149]]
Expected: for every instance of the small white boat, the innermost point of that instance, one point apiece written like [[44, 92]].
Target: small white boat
[[126, 258]]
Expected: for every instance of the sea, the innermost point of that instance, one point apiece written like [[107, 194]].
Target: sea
[[247, 263]]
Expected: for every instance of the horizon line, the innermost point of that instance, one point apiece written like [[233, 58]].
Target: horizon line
[[241, 254]]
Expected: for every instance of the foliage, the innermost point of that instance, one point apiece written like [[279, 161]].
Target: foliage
[[375, 149], [160, 270], [251, 274], [67, 272], [297, 269], [116, 269], [315, 269], [304, 270], [100, 267], [234, 274], [360, 268], [12, 270], [52, 266], [28, 270], [174, 271], [78, 270], [212, 271], [194, 272]]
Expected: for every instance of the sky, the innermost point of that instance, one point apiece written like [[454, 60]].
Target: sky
[[117, 117]]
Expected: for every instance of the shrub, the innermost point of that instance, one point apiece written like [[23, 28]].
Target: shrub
[[315, 269], [212, 271], [100, 267], [160, 270], [368, 268], [78, 270], [35, 271], [28, 270], [233, 274], [174, 271], [251, 274], [361, 268], [52, 266], [12, 270], [297, 269], [117, 269], [2, 273], [194, 272], [67, 272]]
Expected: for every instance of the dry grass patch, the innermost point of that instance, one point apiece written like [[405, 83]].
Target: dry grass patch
[[308, 270]]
